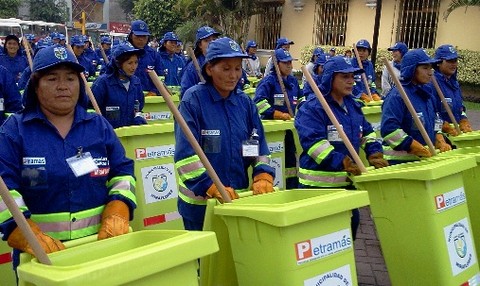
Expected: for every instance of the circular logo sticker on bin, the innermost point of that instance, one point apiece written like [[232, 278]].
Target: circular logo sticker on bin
[[159, 183], [460, 246]]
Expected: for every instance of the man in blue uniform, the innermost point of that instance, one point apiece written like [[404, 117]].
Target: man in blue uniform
[[398, 51], [173, 64], [359, 89], [78, 47]]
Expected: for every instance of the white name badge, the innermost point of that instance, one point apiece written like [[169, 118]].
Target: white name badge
[[1, 105], [82, 164], [250, 148]]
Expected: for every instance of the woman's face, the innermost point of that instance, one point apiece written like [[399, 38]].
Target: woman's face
[[12, 47], [203, 45], [342, 84], [78, 50], [423, 74], [225, 74], [139, 42], [449, 67], [397, 56], [362, 53], [170, 46], [130, 65], [58, 91], [285, 68]]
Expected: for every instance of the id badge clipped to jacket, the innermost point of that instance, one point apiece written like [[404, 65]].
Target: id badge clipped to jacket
[[251, 147], [82, 163], [333, 135]]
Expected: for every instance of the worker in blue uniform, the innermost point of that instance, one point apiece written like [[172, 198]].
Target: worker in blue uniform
[[10, 97], [446, 76], [74, 179], [317, 76], [398, 51], [310, 65], [359, 89], [139, 38], [27, 72], [225, 122], [12, 58], [90, 53], [106, 44], [190, 75], [325, 161], [172, 63], [251, 65], [271, 104], [401, 136], [78, 47], [282, 43], [118, 92]]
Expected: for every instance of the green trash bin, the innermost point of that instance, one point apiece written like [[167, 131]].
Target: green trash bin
[[156, 109], [6, 268], [470, 139], [424, 240], [152, 148], [149, 257], [293, 237]]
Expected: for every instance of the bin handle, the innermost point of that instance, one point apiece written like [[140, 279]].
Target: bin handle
[[364, 76], [23, 225], [188, 133], [445, 104], [334, 120], [282, 86], [410, 107]]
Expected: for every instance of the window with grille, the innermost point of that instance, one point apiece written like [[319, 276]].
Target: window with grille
[[418, 22], [330, 22], [269, 23]]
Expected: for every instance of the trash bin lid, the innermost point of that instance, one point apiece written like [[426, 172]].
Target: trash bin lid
[[135, 130]]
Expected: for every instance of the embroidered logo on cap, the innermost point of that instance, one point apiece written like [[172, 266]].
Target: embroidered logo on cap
[[234, 46], [60, 53]]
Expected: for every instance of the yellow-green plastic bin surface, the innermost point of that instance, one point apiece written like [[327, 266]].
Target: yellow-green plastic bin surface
[[469, 139], [275, 135], [373, 114], [293, 237], [156, 109], [425, 241], [150, 257], [471, 181], [7, 276], [152, 148]]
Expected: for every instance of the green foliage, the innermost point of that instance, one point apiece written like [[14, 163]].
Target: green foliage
[[187, 31], [9, 8], [455, 4], [49, 10], [160, 15], [127, 7]]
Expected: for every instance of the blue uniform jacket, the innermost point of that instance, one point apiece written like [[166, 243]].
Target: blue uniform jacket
[[190, 76], [269, 96], [220, 126], [149, 61], [115, 102], [92, 55], [33, 162], [100, 56], [87, 64], [10, 97], [312, 125], [359, 86], [173, 66], [307, 89], [452, 92], [15, 65], [395, 115], [22, 83]]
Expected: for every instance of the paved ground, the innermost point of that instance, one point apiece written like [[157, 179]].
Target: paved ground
[[371, 269]]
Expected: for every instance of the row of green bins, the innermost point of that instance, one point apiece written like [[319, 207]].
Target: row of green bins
[[152, 148], [275, 136], [149, 257], [292, 237], [471, 179], [423, 240], [6, 269], [469, 139], [156, 109]]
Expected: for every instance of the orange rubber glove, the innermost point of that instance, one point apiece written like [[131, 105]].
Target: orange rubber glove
[[376, 160], [213, 192], [151, 93], [115, 219], [262, 184], [376, 97], [441, 144], [17, 240], [465, 126], [449, 129], [350, 167], [418, 149], [365, 98], [278, 115]]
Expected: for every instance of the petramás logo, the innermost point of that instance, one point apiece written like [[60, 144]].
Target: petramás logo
[[323, 246], [154, 152], [450, 199]]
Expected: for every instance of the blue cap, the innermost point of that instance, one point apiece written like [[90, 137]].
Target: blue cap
[[321, 60], [222, 48], [205, 32], [411, 60], [399, 46], [77, 40], [61, 36], [363, 44], [170, 36], [446, 52], [283, 55], [54, 36], [139, 28], [30, 37], [283, 41], [105, 40], [336, 64], [126, 47], [318, 51], [55, 55], [251, 44]]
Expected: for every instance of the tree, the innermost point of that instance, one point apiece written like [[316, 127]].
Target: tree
[[127, 7], [9, 8], [457, 4], [160, 15], [49, 10]]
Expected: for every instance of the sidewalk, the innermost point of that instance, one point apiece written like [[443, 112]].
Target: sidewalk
[[371, 269]]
